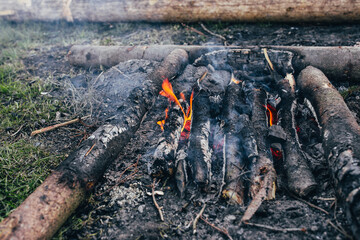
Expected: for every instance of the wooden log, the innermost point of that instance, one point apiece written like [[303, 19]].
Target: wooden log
[[45, 210], [182, 10], [234, 159], [338, 63], [341, 140], [263, 172], [299, 176]]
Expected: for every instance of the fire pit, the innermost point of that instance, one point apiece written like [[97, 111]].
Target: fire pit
[[222, 131]]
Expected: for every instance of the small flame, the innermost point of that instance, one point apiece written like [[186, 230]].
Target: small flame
[[234, 80], [169, 93], [271, 114]]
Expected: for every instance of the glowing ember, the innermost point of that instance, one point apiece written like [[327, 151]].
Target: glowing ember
[[169, 93], [234, 80], [277, 154], [271, 114]]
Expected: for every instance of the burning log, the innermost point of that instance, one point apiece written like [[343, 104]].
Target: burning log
[[336, 62], [341, 139], [263, 172], [45, 210], [164, 155], [299, 177], [235, 165], [182, 11]]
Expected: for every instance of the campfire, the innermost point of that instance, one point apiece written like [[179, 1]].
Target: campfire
[[230, 125]]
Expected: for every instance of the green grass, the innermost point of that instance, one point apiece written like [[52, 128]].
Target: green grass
[[23, 168]]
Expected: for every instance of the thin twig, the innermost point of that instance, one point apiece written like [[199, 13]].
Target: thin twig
[[193, 29], [222, 230], [154, 200], [276, 229], [342, 231], [115, 68], [310, 204], [212, 33], [50, 128], [88, 152], [14, 134], [268, 59], [197, 218]]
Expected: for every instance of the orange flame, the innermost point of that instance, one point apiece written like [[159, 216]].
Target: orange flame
[[169, 93], [271, 114]]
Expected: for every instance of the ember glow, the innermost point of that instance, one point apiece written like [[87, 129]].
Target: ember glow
[[169, 93], [277, 154], [271, 114]]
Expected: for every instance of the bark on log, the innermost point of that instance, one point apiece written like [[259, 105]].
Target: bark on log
[[341, 139], [60, 194], [299, 177], [182, 11], [338, 63]]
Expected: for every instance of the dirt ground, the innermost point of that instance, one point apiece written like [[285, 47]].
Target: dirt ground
[[124, 210]]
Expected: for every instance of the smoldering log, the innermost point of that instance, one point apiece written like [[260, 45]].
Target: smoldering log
[[46, 209], [165, 152], [341, 139], [182, 11], [299, 176], [338, 63], [199, 154], [263, 173], [235, 165]]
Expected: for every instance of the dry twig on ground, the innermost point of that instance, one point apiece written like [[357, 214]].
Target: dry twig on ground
[[222, 230], [154, 200], [276, 229]]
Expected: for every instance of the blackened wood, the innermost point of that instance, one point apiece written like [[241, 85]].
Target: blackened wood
[[299, 176], [181, 175], [341, 139], [263, 173], [60, 194], [338, 63], [199, 153], [165, 152], [235, 162], [182, 10]]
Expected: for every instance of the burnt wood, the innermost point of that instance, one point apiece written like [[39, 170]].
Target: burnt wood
[[299, 176], [341, 139], [338, 63], [45, 210]]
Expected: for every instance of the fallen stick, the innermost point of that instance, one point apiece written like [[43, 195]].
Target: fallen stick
[[341, 139], [183, 11], [222, 230], [53, 127], [155, 202], [198, 217], [338, 63], [47, 208], [276, 229]]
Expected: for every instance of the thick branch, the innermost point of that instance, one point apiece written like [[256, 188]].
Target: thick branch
[[341, 139]]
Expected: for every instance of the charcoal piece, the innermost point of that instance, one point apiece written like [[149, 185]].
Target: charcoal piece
[[199, 153], [163, 162], [276, 134], [299, 176], [341, 139]]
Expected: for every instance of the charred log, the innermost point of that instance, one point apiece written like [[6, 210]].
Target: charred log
[[164, 155], [199, 154], [341, 139], [263, 173], [235, 165], [82, 169], [337, 62], [181, 176], [299, 177]]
